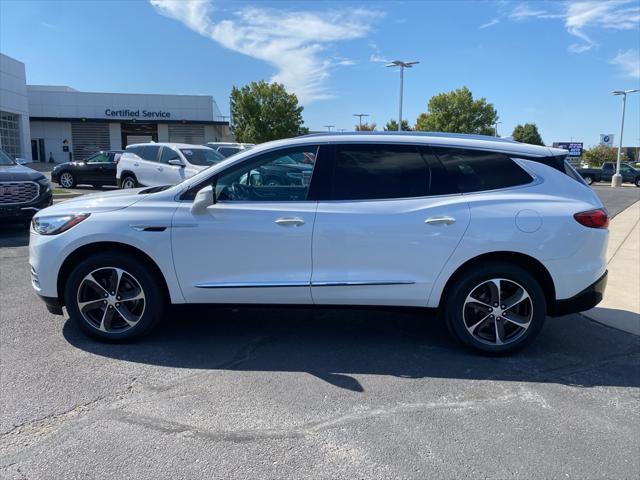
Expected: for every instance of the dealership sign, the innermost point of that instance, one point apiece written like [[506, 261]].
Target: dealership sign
[[128, 113], [574, 148], [606, 139]]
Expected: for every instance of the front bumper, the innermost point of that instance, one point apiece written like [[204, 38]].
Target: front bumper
[[52, 304], [584, 300], [24, 211]]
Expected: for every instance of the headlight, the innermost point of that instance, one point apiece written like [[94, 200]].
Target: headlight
[[44, 183], [53, 225]]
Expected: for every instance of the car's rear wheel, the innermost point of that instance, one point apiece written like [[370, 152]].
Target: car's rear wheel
[[588, 179], [114, 297], [67, 180], [129, 181], [637, 181], [495, 308]]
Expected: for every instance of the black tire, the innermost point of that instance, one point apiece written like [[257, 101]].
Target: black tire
[[124, 181], [155, 300], [467, 284], [637, 182], [70, 184], [588, 179]]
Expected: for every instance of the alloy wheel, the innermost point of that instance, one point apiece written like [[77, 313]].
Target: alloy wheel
[[497, 311], [111, 300], [128, 183], [66, 180]]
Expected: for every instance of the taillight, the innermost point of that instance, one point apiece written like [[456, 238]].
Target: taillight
[[593, 218]]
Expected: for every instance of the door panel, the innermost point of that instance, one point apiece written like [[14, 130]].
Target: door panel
[[244, 252], [384, 252]]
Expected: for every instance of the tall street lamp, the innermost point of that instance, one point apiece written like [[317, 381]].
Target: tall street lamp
[[328, 127], [616, 180], [402, 65], [360, 115], [495, 128]]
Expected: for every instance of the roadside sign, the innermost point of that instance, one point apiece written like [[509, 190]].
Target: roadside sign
[[574, 148], [606, 139]]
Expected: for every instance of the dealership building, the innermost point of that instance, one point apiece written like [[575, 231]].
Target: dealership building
[[44, 122]]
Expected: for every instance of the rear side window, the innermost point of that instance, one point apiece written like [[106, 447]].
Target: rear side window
[[150, 153], [135, 150], [369, 172], [474, 170]]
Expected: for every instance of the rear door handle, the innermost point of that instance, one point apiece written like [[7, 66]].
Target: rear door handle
[[290, 221], [136, 164], [160, 169], [440, 220]]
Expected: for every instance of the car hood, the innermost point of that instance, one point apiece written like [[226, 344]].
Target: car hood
[[17, 173], [96, 202]]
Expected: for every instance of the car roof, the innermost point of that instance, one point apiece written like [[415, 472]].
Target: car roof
[[478, 142], [167, 144]]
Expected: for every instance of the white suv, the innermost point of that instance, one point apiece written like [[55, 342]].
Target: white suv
[[153, 164], [494, 234]]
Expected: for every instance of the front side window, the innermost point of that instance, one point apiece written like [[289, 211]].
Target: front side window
[[369, 172], [5, 159], [476, 170], [280, 176], [168, 154], [99, 158], [201, 156]]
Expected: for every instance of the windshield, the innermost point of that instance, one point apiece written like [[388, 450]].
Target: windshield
[[201, 156], [5, 159]]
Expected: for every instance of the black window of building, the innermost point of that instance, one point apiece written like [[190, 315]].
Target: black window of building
[[367, 172], [475, 170]]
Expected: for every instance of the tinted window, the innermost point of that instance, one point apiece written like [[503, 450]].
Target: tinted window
[[474, 170], [99, 158], [168, 154], [228, 151], [279, 176], [607, 166], [379, 171], [201, 156], [135, 150], [149, 152]]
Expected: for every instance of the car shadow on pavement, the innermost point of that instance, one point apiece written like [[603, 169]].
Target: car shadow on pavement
[[336, 344], [13, 235]]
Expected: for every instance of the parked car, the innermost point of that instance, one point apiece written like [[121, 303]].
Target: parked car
[[494, 234], [604, 174], [97, 170], [23, 191], [226, 149], [153, 164]]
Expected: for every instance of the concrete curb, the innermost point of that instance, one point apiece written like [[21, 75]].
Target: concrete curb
[[620, 307]]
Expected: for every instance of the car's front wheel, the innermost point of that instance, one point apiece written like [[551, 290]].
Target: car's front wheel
[[495, 308], [67, 180], [114, 297], [588, 179]]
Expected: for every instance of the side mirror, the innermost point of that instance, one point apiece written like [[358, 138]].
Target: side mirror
[[21, 161], [204, 198], [176, 162]]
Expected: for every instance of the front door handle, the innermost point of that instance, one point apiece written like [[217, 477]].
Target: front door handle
[[290, 221], [441, 220], [136, 164], [160, 169]]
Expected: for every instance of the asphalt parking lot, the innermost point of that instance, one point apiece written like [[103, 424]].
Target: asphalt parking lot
[[303, 393]]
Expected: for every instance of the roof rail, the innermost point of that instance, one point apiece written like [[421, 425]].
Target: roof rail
[[488, 138]]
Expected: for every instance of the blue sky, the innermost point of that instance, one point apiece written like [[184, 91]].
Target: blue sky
[[552, 63]]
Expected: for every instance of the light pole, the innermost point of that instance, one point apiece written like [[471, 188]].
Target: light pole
[[616, 180], [402, 65], [328, 127], [360, 115], [495, 128]]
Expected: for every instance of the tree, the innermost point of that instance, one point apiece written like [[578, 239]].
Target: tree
[[458, 112], [264, 111], [392, 126], [527, 133], [596, 156], [366, 127]]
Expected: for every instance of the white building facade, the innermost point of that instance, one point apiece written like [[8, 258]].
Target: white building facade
[[14, 108], [59, 123]]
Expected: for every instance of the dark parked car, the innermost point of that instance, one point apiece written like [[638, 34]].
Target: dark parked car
[[604, 174], [23, 191], [97, 170], [287, 171]]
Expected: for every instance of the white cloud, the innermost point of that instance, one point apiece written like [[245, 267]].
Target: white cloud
[[580, 16], [628, 62], [491, 23], [376, 56], [294, 42]]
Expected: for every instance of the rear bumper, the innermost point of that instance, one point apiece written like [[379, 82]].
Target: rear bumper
[[584, 300]]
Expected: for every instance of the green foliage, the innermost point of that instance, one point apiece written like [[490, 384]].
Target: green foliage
[[527, 133], [366, 127], [392, 126], [264, 111], [458, 112], [594, 157]]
